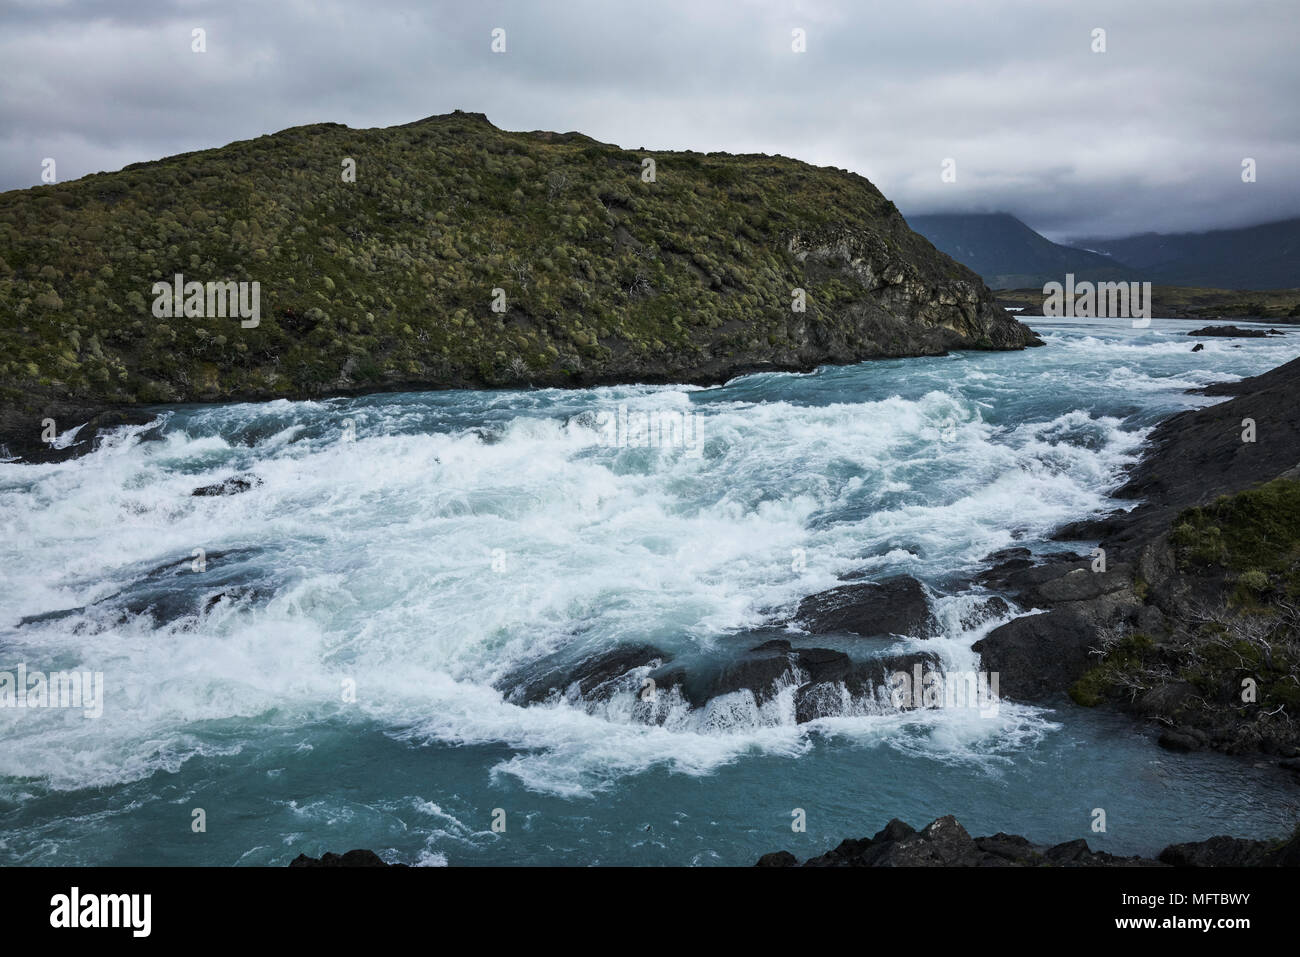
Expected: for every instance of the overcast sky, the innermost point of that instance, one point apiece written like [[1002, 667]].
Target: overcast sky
[[1149, 135]]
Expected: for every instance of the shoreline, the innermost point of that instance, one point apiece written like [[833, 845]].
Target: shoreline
[[945, 843], [99, 419]]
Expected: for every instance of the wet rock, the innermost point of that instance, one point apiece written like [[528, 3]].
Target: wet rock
[[778, 859], [1198, 347], [844, 683], [757, 672], [1038, 656], [1234, 332], [231, 486], [989, 610], [597, 676], [1018, 575], [895, 606], [354, 858], [20, 433], [824, 664]]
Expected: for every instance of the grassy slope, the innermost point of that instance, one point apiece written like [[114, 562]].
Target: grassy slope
[[387, 282], [1235, 615]]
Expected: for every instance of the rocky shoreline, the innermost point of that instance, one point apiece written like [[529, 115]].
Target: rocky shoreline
[[1190, 621], [945, 843], [1185, 618]]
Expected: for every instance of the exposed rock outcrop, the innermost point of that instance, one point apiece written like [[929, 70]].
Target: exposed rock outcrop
[[895, 606], [824, 682]]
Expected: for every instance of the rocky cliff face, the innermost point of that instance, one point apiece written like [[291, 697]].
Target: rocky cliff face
[[449, 253]]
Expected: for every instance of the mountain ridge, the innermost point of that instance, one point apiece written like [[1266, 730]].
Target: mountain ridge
[[1261, 257], [1008, 254]]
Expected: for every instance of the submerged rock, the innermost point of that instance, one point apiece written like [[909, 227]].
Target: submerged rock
[[1234, 332]]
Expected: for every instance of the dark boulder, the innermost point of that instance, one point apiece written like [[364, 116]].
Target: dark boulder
[[895, 606], [1038, 656], [21, 432], [755, 672], [824, 664], [231, 486], [1019, 575], [824, 696], [1234, 332], [987, 610], [596, 677], [355, 858], [945, 843], [1233, 852]]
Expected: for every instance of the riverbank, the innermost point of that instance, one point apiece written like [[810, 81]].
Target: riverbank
[[1186, 617], [1188, 302]]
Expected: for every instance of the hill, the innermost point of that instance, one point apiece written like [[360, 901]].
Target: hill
[[461, 255]]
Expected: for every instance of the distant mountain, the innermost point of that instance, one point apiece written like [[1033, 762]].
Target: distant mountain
[[1256, 257], [1010, 255]]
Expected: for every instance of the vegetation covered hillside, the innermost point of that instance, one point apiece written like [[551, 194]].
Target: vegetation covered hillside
[[390, 280]]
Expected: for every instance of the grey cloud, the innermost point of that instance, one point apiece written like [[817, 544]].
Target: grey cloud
[[1149, 135]]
